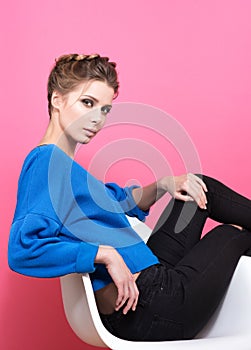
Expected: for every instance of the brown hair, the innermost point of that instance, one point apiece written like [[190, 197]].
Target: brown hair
[[70, 70]]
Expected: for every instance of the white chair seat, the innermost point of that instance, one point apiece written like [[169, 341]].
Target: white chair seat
[[230, 326]]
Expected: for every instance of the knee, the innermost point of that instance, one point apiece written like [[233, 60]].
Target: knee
[[240, 228], [199, 175], [228, 229], [203, 177], [209, 181]]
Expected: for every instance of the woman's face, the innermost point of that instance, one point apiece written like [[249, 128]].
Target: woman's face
[[83, 111]]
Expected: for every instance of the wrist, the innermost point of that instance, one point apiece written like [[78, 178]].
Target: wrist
[[164, 184], [104, 254]]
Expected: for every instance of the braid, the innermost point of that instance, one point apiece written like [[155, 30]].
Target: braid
[[72, 69], [75, 57]]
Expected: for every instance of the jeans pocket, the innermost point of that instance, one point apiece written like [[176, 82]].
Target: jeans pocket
[[149, 283], [164, 329]]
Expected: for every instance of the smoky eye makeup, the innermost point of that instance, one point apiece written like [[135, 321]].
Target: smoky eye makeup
[[87, 102], [106, 109], [90, 102]]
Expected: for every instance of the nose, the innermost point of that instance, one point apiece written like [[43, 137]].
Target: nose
[[96, 116]]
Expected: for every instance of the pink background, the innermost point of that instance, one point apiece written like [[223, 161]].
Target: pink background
[[189, 58]]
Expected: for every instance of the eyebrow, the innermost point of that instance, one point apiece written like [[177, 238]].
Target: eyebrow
[[92, 97]]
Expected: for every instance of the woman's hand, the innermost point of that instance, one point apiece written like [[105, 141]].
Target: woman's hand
[[122, 277], [188, 187]]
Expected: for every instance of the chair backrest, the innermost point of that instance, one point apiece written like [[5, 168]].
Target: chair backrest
[[76, 304], [76, 307]]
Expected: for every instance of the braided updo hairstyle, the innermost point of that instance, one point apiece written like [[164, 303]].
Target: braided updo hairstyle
[[70, 70]]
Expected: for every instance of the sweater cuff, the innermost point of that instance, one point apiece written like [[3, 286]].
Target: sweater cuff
[[135, 211], [85, 258]]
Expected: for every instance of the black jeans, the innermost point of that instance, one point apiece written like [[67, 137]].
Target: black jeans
[[179, 295]]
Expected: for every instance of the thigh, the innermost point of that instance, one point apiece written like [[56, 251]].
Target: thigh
[[207, 271], [156, 316], [178, 229]]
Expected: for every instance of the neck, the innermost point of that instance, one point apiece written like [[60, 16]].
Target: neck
[[54, 135]]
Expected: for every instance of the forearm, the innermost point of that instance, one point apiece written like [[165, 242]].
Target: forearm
[[186, 187], [122, 277], [146, 196]]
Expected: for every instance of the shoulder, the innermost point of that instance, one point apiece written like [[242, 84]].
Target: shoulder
[[36, 165], [45, 155], [38, 153]]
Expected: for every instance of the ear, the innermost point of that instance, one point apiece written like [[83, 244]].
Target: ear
[[56, 100]]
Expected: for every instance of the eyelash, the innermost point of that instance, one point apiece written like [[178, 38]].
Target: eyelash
[[89, 103], [106, 109]]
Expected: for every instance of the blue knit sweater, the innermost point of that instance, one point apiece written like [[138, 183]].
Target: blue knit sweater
[[63, 214]]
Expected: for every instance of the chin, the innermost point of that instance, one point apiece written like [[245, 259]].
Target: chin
[[85, 141]]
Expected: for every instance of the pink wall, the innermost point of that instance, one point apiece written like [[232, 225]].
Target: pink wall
[[190, 58]]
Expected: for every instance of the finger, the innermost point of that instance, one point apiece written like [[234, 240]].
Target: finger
[[183, 195], [136, 299], [125, 295], [120, 297], [198, 194], [202, 197], [118, 306], [132, 301], [128, 306], [136, 296], [189, 199], [202, 201], [122, 294], [201, 182], [194, 179]]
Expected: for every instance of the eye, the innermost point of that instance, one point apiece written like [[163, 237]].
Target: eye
[[87, 102], [106, 109]]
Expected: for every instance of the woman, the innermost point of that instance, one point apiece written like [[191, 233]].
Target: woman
[[67, 221]]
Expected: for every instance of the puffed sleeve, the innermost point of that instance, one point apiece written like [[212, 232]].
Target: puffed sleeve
[[125, 198], [37, 249]]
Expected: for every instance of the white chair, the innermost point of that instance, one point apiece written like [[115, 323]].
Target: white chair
[[229, 328]]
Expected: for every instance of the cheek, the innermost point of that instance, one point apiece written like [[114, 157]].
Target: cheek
[[72, 114]]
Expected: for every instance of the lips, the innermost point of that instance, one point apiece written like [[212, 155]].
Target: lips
[[90, 132]]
